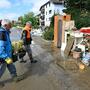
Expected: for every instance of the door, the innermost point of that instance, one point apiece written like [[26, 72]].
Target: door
[[59, 43]]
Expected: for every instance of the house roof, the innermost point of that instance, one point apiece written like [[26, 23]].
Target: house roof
[[57, 1], [53, 1], [44, 5]]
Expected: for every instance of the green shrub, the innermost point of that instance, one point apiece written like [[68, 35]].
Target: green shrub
[[48, 34], [49, 31], [82, 22], [80, 15]]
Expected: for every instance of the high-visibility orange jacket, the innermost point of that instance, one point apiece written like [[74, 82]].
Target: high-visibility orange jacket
[[26, 36], [28, 29]]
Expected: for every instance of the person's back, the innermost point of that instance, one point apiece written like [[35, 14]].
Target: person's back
[[4, 38]]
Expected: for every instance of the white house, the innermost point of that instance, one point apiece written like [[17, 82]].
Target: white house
[[49, 9]]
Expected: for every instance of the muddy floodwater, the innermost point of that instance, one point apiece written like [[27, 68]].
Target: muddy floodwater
[[80, 78], [47, 74]]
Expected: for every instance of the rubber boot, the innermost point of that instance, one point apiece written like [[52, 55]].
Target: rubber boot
[[22, 60], [31, 59], [18, 78]]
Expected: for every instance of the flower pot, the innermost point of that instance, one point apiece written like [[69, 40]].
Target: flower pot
[[76, 55]]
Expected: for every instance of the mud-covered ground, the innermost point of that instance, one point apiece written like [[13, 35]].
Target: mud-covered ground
[[46, 74]]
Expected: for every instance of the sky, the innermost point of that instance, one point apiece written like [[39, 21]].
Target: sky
[[12, 9]]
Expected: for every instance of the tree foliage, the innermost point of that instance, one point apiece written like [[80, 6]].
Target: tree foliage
[[80, 12], [29, 17], [49, 31]]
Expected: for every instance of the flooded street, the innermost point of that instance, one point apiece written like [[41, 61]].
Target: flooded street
[[46, 74], [72, 78], [49, 44]]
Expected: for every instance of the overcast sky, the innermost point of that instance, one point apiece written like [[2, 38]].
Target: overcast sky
[[14, 8]]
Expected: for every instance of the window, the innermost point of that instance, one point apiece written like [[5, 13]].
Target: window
[[57, 11], [49, 18], [49, 4], [46, 19], [46, 13], [46, 6], [50, 11]]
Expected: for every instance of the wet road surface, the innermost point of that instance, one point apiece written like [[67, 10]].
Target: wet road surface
[[46, 74]]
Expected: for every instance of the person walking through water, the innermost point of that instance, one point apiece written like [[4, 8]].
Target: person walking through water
[[26, 37], [6, 52]]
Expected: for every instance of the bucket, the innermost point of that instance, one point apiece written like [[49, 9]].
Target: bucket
[[76, 55]]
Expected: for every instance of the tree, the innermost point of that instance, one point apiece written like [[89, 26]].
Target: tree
[[49, 31], [20, 20], [52, 21], [29, 17], [80, 12]]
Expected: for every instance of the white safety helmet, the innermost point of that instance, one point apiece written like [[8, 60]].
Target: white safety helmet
[[5, 22]]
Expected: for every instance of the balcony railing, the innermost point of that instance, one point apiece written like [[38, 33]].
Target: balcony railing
[[42, 17], [43, 11], [43, 23]]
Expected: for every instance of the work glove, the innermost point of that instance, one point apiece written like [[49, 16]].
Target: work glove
[[8, 60]]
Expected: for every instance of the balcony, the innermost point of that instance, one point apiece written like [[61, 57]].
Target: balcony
[[43, 23], [42, 17], [42, 11]]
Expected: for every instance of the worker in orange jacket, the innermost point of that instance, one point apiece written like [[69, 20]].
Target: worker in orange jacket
[[26, 37]]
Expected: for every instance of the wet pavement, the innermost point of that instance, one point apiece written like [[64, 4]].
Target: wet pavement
[[73, 78], [46, 74]]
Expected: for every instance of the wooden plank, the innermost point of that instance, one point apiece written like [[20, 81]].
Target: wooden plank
[[69, 46]]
